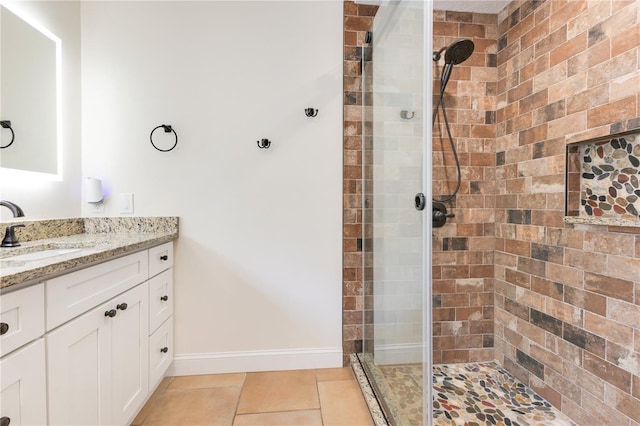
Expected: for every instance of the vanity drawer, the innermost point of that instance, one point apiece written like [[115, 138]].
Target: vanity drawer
[[160, 299], [73, 294], [160, 352], [22, 317], [160, 258]]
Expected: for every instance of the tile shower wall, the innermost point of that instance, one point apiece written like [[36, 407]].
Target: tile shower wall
[[567, 297], [358, 19], [463, 248]]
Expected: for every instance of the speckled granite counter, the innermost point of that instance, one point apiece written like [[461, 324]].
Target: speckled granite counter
[[103, 239]]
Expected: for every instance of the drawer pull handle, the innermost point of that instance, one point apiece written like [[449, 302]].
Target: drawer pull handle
[[164, 350], [4, 421], [4, 327], [122, 306], [164, 257], [112, 313], [164, 298]]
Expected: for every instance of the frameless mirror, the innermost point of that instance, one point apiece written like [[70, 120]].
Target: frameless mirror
[[29, 96]]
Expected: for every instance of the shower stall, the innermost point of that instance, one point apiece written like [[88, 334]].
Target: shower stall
[[412, 176], [397, 198]]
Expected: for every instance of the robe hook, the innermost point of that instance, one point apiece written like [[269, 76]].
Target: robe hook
[[405, 114], [263, 143], [311, 112]]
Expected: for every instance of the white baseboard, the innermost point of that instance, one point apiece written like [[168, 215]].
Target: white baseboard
[[237, 362], [398, 354]]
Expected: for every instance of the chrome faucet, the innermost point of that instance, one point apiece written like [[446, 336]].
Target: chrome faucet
[[10, 239]]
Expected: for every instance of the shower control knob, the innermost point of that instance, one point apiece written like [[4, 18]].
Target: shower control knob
[[440, 215], [420, 201]]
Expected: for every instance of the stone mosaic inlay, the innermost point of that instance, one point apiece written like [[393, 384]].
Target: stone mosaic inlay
[[476, 394], [487, 394], [610, 178]]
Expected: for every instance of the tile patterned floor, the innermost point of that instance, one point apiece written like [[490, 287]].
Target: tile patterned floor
[[486, 394], [300, 397], [465, 394]]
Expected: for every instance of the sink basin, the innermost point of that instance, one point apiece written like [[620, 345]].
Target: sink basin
[[42, 254]]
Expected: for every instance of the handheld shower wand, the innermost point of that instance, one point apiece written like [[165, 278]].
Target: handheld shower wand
[[454, 54]]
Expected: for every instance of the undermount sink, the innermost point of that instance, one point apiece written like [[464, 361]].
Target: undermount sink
[[41, 254]]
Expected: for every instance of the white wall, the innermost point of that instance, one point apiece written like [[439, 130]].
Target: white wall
[[259, 269], [41, 197]]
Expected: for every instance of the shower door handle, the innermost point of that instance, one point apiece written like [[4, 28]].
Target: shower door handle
[[420, 201]]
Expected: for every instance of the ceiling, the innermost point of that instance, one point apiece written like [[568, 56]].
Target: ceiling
[[479, 6]]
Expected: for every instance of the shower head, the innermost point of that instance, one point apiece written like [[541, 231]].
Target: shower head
[[456, 53]]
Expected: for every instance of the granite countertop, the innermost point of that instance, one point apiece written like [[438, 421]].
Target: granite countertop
[[85, 249]]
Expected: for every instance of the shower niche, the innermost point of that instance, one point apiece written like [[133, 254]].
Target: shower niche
[[603, 181]]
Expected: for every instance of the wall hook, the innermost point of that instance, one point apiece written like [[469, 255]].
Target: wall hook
[[311, 112], [405, 114], [264, 143], [6, 124], [167, 129]]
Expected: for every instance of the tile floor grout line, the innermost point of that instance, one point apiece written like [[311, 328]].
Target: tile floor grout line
[[315, 374]]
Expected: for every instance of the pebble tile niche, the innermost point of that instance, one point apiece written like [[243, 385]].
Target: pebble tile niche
[[603, 179]]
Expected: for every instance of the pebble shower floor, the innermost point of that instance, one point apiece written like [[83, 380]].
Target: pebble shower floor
[[475, 394]]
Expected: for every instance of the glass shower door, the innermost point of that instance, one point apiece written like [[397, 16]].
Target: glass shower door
[[396, 263]]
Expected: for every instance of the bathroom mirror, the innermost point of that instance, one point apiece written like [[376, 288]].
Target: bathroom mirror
[[29, 95]]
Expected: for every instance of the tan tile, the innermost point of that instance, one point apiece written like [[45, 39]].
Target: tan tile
[[151, 403], [207, 381], [195, 407], [279, 391], [333, 374], [342, 403], [286, 418]]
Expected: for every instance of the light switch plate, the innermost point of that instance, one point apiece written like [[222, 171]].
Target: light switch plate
[[126, 203]]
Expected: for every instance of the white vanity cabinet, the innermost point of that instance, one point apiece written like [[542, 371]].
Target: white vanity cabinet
[[160, 312], [88, 347], [102, 359], [98, 362], [22, 366]]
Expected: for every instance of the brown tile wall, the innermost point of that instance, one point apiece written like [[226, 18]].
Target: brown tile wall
[[357, 21], [463, 248], [567, 297]]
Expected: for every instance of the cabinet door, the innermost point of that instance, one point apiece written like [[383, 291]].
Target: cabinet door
[[160, 258], [79, 370], [160, 299], [23, 398], [21, 317], [160, 352], [130, 353]]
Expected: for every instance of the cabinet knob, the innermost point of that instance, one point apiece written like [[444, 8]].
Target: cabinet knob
[[122, 306], [164, 257], [164, 298], [164, 350], [4, 327], [112, 313], [4, 421]]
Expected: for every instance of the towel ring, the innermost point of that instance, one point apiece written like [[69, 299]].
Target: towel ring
[[167, 129], [6, 124]]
